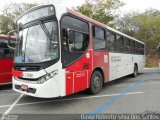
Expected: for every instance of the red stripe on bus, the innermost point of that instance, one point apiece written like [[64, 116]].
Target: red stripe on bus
[[17, 73]]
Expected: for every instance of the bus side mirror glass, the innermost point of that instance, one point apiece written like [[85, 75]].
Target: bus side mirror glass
[[11, 40]]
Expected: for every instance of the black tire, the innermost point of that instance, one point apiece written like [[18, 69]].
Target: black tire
[[96, 82], [135, 73]]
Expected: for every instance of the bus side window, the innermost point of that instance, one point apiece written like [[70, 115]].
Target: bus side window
[[120, 45], [99, 41], [136, 48], [142, 49], [132, 46], [126, 45], [71, 38], [64, 39], [78, 41], [5, 52], [111, 41]]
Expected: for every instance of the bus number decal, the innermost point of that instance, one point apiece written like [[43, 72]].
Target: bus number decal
[[30, 75], [115, 59], [78, 75]]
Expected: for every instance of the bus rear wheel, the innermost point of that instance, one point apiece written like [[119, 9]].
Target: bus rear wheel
[[135, 73], [96, 83]]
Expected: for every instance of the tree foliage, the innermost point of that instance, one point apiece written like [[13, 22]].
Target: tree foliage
[[100, 10], [10, 13], [143, 26]]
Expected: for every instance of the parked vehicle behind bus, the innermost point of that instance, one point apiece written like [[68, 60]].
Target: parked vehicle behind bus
[[6, 60], [60, 52]]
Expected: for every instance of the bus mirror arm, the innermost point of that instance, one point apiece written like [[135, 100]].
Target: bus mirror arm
[[9, 39]]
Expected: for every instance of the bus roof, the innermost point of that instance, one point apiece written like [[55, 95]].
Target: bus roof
[[71, 11], [100, 24], [6, 36]]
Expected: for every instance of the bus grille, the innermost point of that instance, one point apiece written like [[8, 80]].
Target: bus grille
[[26, 79], [27, 68]]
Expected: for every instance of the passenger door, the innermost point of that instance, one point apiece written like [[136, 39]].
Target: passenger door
[[75, 54]]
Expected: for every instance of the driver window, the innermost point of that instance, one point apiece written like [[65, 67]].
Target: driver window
[[78, 41], [75, 39]]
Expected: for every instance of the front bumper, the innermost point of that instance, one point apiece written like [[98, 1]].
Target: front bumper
[[48, 89]]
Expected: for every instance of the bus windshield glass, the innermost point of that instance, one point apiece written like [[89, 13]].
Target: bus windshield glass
[[35, 45]]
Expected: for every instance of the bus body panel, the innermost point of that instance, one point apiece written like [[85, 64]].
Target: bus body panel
[[123, 64], [101, 60], [60, 78], [78, 74], [6, 66]]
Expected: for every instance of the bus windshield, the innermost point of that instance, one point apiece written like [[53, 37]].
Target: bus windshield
[[36, 14], [34, 45]]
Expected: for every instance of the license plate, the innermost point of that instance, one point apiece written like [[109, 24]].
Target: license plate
[[24, 87]]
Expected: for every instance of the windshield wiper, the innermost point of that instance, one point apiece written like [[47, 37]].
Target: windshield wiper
[[45, 30]]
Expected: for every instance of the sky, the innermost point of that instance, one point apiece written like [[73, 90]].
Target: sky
[[130, 5], [140, 5]]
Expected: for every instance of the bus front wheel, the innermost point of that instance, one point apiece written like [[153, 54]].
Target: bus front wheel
[[96, 83]]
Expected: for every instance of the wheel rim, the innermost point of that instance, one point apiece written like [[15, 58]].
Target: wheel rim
[[96, 82]]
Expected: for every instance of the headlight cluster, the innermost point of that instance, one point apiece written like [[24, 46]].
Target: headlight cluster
[[47, 77]]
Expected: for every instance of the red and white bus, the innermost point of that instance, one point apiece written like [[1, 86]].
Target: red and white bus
[[6, 61], [60, 52]]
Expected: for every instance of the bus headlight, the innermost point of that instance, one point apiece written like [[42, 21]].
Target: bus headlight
[[46, 77]]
